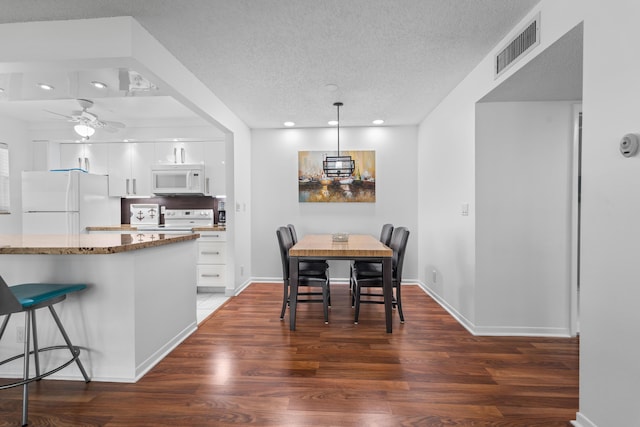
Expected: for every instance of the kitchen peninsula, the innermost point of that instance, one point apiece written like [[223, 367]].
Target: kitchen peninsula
[[139, 304]]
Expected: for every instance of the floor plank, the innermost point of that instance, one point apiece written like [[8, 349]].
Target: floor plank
[[244, 367]]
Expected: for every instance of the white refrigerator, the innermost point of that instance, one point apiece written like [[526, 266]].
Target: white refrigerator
[[64, 202]]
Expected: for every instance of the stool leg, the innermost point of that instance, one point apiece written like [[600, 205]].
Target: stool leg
[[68, 341], [34, 328], [4, 325], [25, 387]]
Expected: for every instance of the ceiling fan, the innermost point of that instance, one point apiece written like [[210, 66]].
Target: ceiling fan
[[88, 119]]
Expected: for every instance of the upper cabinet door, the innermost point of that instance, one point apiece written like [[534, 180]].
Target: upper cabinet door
[[96, 158], [91, 157], [71, 156], [215, 171], [179, 152], [130, 169], [141, 160]]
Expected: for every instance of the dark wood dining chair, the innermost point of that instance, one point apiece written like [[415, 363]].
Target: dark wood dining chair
[[368, 283], [310, 277], [370, 268]]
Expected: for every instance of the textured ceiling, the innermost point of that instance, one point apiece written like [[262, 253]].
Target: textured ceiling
[[270, 60]]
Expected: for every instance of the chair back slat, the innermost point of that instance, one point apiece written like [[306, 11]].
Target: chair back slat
[[398, 244], [385, 234], [285, 242], [294, 235]]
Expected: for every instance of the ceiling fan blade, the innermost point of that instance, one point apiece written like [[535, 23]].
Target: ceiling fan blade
[[118, 125], [71, 118]]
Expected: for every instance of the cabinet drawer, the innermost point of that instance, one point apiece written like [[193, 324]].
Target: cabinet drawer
[[212, 236], [211, 252], [209, 275]]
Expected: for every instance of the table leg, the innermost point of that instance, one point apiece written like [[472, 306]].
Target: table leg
[[293, 291], [387, 290]]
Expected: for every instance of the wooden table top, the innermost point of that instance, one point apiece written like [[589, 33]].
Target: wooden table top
[[322, 245], [84, 244]]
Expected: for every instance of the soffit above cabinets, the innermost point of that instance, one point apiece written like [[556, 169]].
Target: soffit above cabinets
[[128, 98]]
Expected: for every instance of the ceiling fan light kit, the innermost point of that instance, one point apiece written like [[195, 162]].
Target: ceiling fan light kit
[[86, 122], [85, 131]]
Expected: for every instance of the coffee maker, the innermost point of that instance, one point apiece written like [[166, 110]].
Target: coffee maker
[[222, 213]]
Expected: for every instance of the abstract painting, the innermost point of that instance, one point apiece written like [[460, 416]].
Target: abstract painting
[[315, 187]]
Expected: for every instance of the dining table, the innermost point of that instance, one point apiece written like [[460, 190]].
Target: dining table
[[345, 247]]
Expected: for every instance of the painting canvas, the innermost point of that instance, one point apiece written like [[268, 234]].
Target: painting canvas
[[315, 187]]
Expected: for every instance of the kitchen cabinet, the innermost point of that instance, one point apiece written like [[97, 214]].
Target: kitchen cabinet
[[211, 264], [179, 152], [90, 157], [130, 169], [215, 171]]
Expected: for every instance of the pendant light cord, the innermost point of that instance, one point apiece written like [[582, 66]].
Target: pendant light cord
[[338, 105]]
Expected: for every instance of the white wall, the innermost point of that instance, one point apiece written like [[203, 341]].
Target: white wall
[[609, 295], [275, 191], [610, 285], [14, 134], [523, 217]]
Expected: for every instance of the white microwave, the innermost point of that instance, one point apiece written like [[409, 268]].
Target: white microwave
[[176, 179]]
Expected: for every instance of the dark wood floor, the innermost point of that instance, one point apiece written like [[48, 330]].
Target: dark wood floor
[[244, 367]]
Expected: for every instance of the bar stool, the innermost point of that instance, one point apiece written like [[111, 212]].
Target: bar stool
[[28, 298]]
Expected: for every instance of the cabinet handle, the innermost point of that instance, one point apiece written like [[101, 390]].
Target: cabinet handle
[[127, 186], [210, 253], [134, 186], [182, 155], [175, 154], [210, 275], [207, 191], [79, 162], [86, 164]]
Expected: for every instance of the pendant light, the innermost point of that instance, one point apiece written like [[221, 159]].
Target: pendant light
[[338, 166]]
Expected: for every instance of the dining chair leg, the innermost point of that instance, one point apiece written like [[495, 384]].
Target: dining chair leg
[[285, 299], [325, 303], [399, 303], [357, 303]]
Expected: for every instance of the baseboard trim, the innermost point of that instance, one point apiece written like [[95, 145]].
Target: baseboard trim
[[582, 421], [523, 331]]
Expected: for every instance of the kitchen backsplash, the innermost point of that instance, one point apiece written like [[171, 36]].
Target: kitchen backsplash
[[173, 202]]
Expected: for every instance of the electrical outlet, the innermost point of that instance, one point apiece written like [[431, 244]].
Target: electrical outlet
[[434, 276], [241, 270], [20, 334]]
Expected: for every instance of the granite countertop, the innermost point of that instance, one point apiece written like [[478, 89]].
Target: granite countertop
[[85, 244], [133, 229]]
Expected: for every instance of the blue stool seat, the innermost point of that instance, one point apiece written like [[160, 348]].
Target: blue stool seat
[[30, 294], [28, 298]]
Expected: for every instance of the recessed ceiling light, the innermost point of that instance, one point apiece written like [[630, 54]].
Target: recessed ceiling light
[[289, 124], [378, 122], [331, 87], [98, 85], [332, 122], [45, 86]]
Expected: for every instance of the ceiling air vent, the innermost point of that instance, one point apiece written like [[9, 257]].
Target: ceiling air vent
[[518, 46]]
